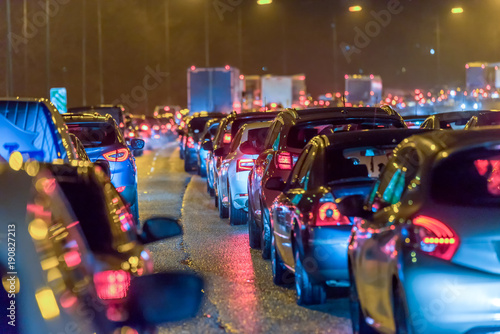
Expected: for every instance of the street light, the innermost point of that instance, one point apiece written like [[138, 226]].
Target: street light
[[264, 2], [457, 10], [355, 8]]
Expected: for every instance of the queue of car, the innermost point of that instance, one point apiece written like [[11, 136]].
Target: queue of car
[[69, 205], [351, 198]]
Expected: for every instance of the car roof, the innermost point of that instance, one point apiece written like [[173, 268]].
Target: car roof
[[456, 115], [342, 140], [86, 118], [100, 106], [256, 114], [256, 125], [340, 112]]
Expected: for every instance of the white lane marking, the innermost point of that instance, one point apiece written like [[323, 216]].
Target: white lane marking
[[152, 169]]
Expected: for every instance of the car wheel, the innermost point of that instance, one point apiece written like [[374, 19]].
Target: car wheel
[[399, 312], [308, 293], [211, 190], [281, 275], [223, 211], [236, 217], [359, 325], [216, 199], [254, 232], [265, 239]]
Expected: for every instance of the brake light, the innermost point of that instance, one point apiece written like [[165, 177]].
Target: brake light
[[227, 138], [284, 161], [119, 155], [329, 215], [435, 238], [156, 127], [190, 142], [112, 284], [144, 127], [169, 126], [244, 165], [120, 189], [131, 135], [157, 136], [122, 125]]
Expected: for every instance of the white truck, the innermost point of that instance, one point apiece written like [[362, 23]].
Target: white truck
[[363, 90], [287, 91], [482, 75]]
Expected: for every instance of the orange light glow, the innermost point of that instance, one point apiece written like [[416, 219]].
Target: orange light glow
[[355, 8]]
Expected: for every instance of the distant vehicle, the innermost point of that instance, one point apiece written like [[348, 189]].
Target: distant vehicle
[[208, 134], [414, 122], [235, 168], [272, 91], [102, 140], [306, 222], [34, 128], [116, 111], [363, 90], [455, 120], [216, 89], [60, 280], [484, 118], [287, 137], [482, 75], [419, 240]]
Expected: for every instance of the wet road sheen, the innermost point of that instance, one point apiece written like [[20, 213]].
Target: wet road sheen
[[239, 294]]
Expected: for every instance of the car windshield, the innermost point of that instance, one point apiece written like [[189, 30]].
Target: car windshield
[[94, 134], [471, 178], [302, 133]]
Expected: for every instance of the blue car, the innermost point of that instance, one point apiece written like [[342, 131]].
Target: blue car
[[102, 139]]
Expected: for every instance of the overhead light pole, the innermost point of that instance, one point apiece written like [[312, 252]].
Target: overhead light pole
[[99, 38], [10, 84]]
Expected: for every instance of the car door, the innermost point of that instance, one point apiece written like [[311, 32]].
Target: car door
[[379, 249]]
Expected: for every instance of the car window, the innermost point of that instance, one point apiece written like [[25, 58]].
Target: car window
[[236, 141], [294, 175], [94, 134], [306, 175], [257, 136], [271, 136]]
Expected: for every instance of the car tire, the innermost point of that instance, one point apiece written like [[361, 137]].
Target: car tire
[[236, 216], [254, 232], [281, 275], [216, 200], [359, 325], [211, 190], [223, 211], [399, 312], [308, 293], [265, 239]]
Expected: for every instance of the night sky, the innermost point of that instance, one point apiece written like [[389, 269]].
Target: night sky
[[286, 37]]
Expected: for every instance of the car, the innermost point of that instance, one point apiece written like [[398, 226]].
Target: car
[[192, 134], [103, 140], [219, 147], [208, 134], [234, 170], [52, 278], [116, 111], [455, 120], [182, 132], [309, 235], [421, 255], [290, 132], [34, 128], [484, 118]]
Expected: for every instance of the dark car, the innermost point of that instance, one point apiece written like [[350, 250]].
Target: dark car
[[423, 253], [116, 111], [208, 134], [220, 146], [192, 135], [309, 234], [484, 118], [290, 132], [103, 140], [455, 120]]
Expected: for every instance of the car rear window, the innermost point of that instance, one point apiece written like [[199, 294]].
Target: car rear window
[[492, 118], [471, 178], [258, 136], [94, 134], [302, 133], [198, 124], [238, 123]]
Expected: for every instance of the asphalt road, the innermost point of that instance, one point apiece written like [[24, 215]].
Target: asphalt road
[[239, 294]]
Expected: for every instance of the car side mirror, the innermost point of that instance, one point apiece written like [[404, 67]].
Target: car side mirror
[[248, 148], [137, 144], [104, 165], [163, 297], [207, 145], [219, 152], [275, 183], [353, 206], [159, 228]]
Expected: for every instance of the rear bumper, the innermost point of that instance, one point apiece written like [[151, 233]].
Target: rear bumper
[[325, 252], [444, 297]]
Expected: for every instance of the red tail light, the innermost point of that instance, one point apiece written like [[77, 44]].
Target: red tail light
[[227, 138], [156, 127], [119, 155], [190, 142], [144, 127], [244, 165], [112, 284], [169, 126], [157, 136], [435, 238], [131, 135], [120, 189], [122, 125], [284, 161], [329, 215]]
